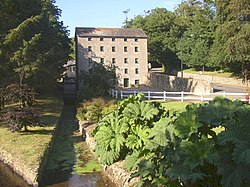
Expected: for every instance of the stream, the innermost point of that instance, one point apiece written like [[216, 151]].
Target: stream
[[70, 163], [8, 178]]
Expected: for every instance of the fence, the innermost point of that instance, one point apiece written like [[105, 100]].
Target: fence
[[191, 96]]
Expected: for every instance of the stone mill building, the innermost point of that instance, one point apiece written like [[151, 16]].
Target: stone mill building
[[126, 48]]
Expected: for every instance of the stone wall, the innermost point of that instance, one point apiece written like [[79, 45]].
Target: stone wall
[[177, 84], [28, 174], [214, 79], [31, 175], [114, 172]]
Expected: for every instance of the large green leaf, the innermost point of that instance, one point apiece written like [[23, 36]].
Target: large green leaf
[[110, 135], [131, 161], [139, 137], [144, 110], [197, 153], [159, 134], [186, 124], [217, 111], [106, 157]]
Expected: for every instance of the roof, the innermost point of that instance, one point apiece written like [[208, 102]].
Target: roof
[[110, 32]]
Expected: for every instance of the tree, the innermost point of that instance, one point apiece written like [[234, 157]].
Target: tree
[[194, 46], [163, 29], [97, 81], [232, 36], [35, 45]]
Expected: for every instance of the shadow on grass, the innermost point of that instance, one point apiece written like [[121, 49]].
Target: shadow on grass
[[39, 132]]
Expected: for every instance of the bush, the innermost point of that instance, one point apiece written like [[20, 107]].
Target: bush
[[94, 109], [19, 118], [206, 145]]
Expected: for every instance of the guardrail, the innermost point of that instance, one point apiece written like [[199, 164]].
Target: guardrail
[[194, 96]]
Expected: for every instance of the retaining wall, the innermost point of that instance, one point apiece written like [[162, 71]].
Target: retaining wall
[[31, 175], [214, 79], [177, 84]]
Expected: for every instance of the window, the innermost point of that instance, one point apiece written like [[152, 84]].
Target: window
[[89, 39], [74, 68], [136, 61], [102, 61], [136, 70], [113, 60], [101, 39], [101, 48], [137, 82], [136, 49], [125, 49], [89, 48], [125, 39], [136, 39], [126, 82], [113, 39], [126, 71], [113, 49], [125, 60]]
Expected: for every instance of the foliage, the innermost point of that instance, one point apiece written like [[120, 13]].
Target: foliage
[[200, 33], [19, 118], [34, 44], [97, 81], [94, 109], [20, 93], [163, 29], [231, 36], [179, 149], [125, 129]]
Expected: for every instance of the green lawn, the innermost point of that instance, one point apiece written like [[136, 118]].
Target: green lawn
[[175, 105], [212, 73], [28, 147]]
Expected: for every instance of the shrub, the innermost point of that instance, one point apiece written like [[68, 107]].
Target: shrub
[[92, 110], [19, 118], [179, 149]]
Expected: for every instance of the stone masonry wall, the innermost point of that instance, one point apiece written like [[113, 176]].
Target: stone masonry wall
[[31, 175], [215, 79], [177, 84]]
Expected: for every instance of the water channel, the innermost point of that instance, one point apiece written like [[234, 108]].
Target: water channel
[[63, 161]]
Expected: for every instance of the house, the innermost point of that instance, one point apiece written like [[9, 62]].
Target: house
[[69, 69], [125, 48]]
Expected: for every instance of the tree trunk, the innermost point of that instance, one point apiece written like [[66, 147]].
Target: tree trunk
[[244, 74]]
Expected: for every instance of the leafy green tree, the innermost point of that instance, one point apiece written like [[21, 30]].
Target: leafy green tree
[[194, 46], [232, 33], [34, 46], [163, 29], [97, 81]]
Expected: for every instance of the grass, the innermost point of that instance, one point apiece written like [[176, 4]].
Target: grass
[[212, 73], [28, 147], [175, 105], [86, 163]]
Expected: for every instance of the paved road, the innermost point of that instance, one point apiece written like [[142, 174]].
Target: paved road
[[227, 88]]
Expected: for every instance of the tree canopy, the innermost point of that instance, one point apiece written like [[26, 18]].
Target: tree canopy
[[34, 43], [200, 33]]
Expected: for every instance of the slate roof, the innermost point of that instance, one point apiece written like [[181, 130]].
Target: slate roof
[[110, 32]]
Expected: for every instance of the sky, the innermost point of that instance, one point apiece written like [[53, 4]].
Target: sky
[[106, 13]]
